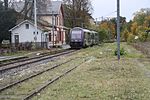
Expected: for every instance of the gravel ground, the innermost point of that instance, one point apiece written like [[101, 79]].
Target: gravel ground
[[17, 74]]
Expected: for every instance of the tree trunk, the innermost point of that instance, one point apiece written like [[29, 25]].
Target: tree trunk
[[6, 4]]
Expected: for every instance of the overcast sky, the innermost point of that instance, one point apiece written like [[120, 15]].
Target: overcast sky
[[107, 8]]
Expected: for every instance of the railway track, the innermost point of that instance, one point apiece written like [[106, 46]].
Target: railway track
[[25, 58], [50, 75], [31, 76], [7, 61], [27, 61]]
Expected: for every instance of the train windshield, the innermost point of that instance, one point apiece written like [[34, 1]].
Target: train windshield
[[76, 35]]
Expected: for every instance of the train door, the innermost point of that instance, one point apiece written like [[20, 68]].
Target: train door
[[86, 38], [89, 39]]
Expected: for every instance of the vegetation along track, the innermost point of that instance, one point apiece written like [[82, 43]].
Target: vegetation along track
[[34, 84], [31, 61]]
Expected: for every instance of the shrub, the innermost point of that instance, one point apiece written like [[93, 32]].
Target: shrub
[[103, 35], [148, 39], [125, 35], [143, 36], [131, 38], [122, 52]]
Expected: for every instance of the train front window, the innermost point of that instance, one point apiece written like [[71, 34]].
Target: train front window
[[76, 35]]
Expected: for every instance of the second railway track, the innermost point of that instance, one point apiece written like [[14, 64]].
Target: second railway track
[[31, 61], [25, 58]]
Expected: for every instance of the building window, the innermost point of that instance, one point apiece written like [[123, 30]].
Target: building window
[[36, 34], [57, 21], [27, 26]]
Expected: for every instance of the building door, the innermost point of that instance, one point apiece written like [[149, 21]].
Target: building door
[[50, 37], [16, 40], [46, 40]]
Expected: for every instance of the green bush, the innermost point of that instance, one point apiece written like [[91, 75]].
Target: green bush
[[103, 35], [122, 52]]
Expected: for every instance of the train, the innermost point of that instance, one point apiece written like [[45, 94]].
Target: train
[[81, 38]]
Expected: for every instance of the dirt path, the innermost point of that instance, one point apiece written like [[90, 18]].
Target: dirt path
[[144, 47]]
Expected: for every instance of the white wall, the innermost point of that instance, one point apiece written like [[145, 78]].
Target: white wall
[[26, 35]]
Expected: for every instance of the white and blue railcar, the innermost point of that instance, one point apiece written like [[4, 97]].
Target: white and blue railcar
[[80, 37]]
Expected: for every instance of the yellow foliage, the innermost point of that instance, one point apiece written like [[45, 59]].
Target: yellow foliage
[[134, 28], [126, 34], [106, 25], [147, 22]]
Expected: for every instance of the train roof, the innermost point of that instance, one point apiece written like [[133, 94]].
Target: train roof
[[85, 30], [94, 32]]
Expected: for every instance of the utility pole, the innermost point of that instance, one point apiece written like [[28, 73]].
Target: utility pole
[[35, 22], [96, 21], [74, 13], [118, 29], [82, 25], [102, 18], [53, 26]]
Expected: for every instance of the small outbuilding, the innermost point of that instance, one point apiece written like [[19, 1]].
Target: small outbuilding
[[24, 34]]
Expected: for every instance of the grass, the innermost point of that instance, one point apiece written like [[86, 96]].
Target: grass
[[104, 78]]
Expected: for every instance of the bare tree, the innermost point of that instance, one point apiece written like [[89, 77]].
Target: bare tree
[[6, 4], [28, 7], [77, 12]]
